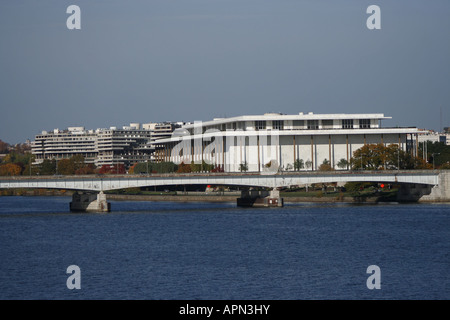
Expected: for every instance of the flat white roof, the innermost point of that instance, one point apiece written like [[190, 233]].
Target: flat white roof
[[300, 116]]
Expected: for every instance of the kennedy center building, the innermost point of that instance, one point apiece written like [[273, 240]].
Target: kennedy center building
[[274, 141]]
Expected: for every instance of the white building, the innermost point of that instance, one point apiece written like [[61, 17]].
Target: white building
[[433, 136], [273, 140], [127, 145]]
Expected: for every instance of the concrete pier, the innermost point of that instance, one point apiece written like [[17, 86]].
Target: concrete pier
[[413, 192], [89, 202], [260, 198]]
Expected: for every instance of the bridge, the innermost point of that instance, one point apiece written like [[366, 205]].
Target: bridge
[[416, 184]]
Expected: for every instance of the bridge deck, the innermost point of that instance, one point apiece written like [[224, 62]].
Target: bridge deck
[[256, 179]]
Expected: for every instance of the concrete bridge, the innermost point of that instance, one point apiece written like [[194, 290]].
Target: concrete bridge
[[425, 185]]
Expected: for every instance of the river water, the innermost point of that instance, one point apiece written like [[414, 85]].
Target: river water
[[167, 251]]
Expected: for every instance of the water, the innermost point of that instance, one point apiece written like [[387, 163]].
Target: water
[[162, 250]]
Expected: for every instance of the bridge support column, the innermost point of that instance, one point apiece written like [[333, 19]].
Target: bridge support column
[[439, 192], [89, 202], [262, 198]]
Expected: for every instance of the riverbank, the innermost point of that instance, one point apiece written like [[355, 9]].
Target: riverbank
[[289, 197], [232, 198]]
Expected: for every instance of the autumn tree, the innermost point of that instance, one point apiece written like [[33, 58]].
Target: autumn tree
[[184, 168], [112, 169], [325, 166], [10, 169], [381, 157], [4, 147], [65, 167], [86, 169]]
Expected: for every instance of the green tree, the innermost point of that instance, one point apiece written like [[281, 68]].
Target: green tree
[[48, 167], [437, 152], [298, 164], [243, 167], [308, 164], [198, 167], [65, 167], [343, 163]]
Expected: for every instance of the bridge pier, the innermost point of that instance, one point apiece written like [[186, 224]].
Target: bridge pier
[[260, 198], [89, 202], [437, 193]]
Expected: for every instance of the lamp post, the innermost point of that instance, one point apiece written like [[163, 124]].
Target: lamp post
[[433, 154]]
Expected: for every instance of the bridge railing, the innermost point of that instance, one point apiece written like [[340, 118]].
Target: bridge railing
[[225, 174]]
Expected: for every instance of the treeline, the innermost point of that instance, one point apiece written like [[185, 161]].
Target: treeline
[[19, 161], [16, 164], [437, 153], [390, 157], [170, 167]]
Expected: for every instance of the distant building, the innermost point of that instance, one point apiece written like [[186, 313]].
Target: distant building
[[127, 145], [63, 144], [432, 136]]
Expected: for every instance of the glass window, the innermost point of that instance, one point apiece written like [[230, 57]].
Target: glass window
[[260, 125], [364, 123], [327, 124], [277, 125], [347, 124], [298, 124], [313, 124]]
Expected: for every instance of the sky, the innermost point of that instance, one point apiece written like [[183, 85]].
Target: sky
[[194, 60]]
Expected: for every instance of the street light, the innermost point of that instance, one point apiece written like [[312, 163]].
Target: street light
[[433, 157]]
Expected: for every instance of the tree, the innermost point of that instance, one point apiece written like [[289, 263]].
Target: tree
[[298, 164], [77, 162], [218, 169], [343, 164], [10, 169], [184, 168], [308, 164], [65, 167], [118, 168], [369, 157], [198, 167], [4, 147], [153, 167], [381, 157], [104, 169], [86, 169], [243, 167], [437, 150], [325, 166], [48, 167]]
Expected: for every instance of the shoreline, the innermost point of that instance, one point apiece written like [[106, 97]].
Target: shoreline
[[204, 197], [233, 198], [334, 198]]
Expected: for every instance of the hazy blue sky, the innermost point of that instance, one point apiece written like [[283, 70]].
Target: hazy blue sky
[[186, 60]]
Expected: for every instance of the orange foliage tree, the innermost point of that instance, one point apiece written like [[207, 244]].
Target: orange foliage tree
[[10, 169]]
